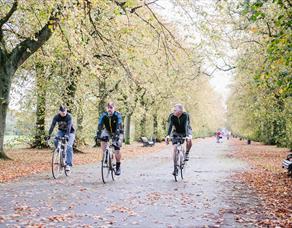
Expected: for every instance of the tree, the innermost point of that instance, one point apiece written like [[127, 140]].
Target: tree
[[11, 60]]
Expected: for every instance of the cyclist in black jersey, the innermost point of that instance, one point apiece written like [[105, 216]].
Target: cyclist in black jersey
[[110, 126], [179, 125]]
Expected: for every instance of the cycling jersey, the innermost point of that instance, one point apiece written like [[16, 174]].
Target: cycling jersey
[[111, 123], [180, 125]]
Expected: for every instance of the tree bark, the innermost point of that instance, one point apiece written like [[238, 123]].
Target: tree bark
[[5, 84], [155, 126], [143, 125], [79, 139], [39, 141], [128, 129]]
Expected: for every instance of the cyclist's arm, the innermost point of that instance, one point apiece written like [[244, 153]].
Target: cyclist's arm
[[69, 125], [120, 124], [100, 123], [53, 124], [170, 125], [187, 123]]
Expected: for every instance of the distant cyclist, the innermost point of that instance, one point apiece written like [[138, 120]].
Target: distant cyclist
[[65, 129], [219, 136], [110, 126], [179, 126]]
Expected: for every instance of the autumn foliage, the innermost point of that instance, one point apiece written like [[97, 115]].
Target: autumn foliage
[[270, 181]]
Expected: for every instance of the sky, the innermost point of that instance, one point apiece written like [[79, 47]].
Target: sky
[[186, 21]]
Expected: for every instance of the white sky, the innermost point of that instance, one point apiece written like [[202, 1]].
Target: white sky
[[187, 21]]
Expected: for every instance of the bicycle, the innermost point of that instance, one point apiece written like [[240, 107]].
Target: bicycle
[[108, 163], [179, 158], [59, 158]]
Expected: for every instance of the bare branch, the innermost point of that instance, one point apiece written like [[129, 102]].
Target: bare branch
[[67, 40], [165, 28]]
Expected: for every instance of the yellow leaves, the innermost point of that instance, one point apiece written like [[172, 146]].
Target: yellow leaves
[[51, 27], [253, 29]]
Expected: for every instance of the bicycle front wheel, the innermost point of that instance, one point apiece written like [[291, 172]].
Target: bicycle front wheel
[[182, 167], [175, 174], [105, 167], [112, 165], [57, 166]]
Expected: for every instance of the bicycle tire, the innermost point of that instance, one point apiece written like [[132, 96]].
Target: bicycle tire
[[57, 167], [67, 173], [181, 167], [105, 167], [112, 168], [176, 166]]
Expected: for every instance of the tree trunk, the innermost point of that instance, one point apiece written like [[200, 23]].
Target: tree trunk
[[39, 141], [155, 126], [79, 139], [143, 125], [5, 85], [128, 129], [103, 96]]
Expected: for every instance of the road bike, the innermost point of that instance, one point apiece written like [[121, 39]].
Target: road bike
[[59, 158], [179, 158], [108, 163]]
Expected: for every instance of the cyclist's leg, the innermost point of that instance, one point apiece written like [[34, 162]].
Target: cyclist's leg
[[174, 142], [104, 139], [69, 157], [175, 170], [174, 154], [59, 134], [189, 142], [118, 155], [117, 147]]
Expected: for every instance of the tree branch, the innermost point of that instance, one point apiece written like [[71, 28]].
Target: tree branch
[[9, 14], [27, 47]]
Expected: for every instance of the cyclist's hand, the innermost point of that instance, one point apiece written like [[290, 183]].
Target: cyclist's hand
[[117, 132], [167, 138], [98, 135], [96, 139], [116, 137], [47, 138], [189, 137], [67, 138]]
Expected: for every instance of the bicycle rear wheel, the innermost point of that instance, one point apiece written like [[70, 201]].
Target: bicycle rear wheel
[[106, 167], [57, 166]]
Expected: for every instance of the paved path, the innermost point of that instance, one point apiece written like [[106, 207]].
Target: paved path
[[145, 195]]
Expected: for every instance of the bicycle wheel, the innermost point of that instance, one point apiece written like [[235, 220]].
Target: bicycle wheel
[[181, 166], [112, 165], [105, 167], [176, 166], [57, 167], [63, 162]]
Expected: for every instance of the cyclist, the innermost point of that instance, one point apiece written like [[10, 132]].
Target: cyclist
[[218, 136], [110, 125], [179, 126], [65, 129]]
